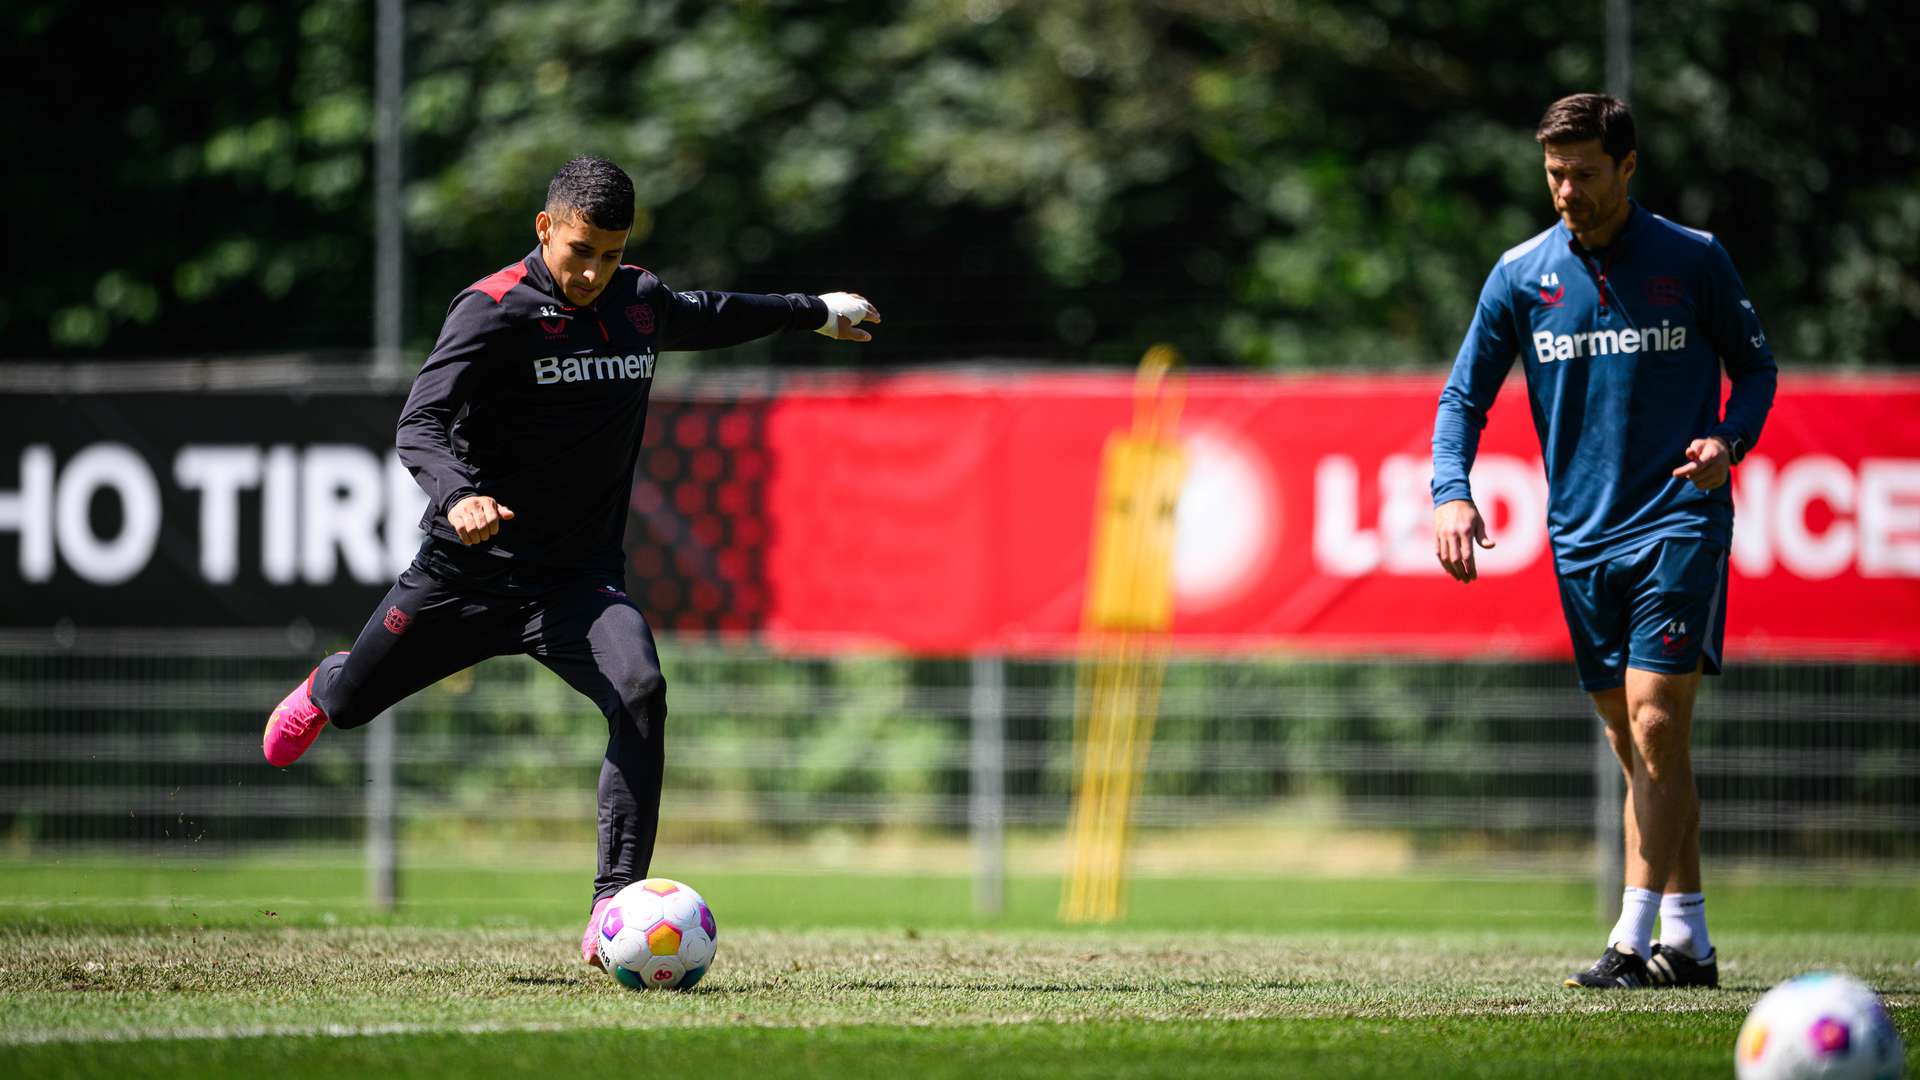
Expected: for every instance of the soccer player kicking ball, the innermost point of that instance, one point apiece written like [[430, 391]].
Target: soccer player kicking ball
[[523, 427], [1622, 320]]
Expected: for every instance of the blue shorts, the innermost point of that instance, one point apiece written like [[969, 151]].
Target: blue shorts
[[1662, 608]]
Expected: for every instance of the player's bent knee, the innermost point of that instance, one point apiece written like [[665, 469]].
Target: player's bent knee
[[643, 694]]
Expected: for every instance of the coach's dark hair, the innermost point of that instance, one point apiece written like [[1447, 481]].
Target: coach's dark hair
[[1589, 116], [599, 191]]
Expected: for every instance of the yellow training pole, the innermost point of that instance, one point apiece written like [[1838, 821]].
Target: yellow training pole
[[1129, 606]]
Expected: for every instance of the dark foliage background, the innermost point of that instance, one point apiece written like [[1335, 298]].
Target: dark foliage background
[[1285, 183]]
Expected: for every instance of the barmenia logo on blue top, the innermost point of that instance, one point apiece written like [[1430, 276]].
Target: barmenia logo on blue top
[[1549, 346]]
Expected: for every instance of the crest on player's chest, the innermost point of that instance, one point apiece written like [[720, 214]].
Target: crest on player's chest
[[553, 322]]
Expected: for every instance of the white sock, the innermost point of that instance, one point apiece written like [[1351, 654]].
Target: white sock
[[1683, 924], [1635, 928]]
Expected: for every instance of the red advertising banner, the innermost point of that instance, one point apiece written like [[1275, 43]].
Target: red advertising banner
[[953, 512]]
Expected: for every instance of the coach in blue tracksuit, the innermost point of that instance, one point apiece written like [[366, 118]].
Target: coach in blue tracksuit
[[1622, 321]]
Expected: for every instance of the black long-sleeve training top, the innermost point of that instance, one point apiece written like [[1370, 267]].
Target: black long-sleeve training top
[[541, 405]]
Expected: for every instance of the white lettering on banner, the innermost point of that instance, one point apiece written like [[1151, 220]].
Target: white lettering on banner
[[279, 535], [343, 492], [1752, 484], [118, 467], [1406, 516], [319, 506], [29, 512], [1506, 489], [1875, 517], [1806, 480], [1340, 546], [1889, 517], [219, 474], [1874, 506], [1513, 492]]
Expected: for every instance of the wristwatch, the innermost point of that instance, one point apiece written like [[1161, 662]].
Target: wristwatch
[[1736, 448]]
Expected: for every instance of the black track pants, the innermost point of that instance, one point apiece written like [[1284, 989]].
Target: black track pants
[[437, 620]]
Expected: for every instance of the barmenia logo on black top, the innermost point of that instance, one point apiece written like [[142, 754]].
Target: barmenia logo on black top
[[555, 369]]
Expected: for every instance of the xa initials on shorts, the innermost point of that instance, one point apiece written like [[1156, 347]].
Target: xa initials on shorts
[[1662, 608]]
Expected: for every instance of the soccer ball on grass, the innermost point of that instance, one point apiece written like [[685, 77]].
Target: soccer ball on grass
[[1819, 1025], [657, 934]]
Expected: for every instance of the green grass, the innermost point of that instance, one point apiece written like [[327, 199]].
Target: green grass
[[239, 968]]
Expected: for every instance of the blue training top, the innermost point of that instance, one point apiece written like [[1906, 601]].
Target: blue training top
[[1623, 349]]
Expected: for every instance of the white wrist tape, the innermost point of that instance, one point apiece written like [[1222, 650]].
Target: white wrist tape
[[839, 303]]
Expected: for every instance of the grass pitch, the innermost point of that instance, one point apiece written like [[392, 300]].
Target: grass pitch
[[245, 969]]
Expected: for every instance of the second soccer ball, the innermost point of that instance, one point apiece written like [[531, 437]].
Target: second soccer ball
[[1819, 1026]]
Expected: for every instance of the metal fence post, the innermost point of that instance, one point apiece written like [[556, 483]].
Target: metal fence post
[[389, 295], [389, 170], [1609, 869], [987, 803], [1619, 58], [382, 858]]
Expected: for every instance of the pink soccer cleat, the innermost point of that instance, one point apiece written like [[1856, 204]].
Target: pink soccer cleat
[[293, 726], [590, 941]]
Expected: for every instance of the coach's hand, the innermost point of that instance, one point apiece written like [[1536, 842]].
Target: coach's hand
[[1457, 526], [1709, 462], [845, 312], [477, 518]]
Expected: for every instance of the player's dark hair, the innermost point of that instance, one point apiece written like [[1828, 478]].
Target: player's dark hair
[[597, 190], [1589, 116]]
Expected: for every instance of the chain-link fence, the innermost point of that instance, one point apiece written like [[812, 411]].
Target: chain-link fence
[[1259, 765]]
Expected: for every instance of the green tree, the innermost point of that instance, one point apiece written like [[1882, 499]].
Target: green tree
[[1285, 183]]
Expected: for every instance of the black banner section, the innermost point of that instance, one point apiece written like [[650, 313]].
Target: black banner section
[[201, 509], [278, 509]]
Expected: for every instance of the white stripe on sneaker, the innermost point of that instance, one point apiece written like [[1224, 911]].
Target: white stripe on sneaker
[[1661, 968]]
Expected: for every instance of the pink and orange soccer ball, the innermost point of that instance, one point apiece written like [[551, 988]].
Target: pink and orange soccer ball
[[1819, 1026], [658, 934]]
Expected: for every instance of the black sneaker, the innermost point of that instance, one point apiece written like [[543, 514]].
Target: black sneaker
[[1671, 967], [1619, 968]]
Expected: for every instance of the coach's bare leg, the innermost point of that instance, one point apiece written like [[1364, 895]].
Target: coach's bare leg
[[1684, 876], [1663, 808], [1611, 705]]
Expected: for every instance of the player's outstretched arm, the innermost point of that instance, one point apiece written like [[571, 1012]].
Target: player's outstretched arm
[[716, 320], [845, 313], [1457, 527]]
